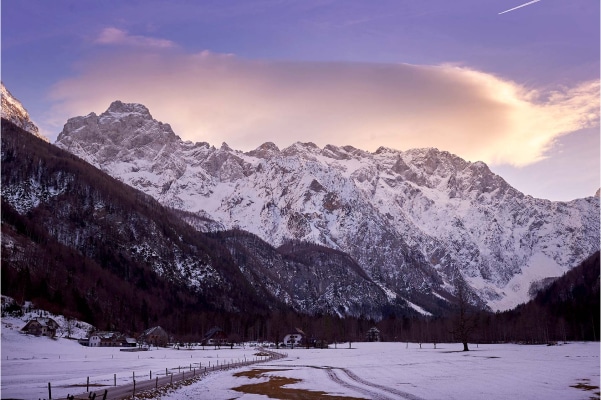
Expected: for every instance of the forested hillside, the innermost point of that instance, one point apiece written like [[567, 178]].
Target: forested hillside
[[77, 241], [568, 309]]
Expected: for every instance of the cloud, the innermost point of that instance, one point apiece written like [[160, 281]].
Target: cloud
[[115, 36], [215, 98]]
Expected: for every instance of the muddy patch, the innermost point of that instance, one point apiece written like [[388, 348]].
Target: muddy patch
[[274, 387]]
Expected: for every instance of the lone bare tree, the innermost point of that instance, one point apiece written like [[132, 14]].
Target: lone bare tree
[[69, 326], [465, 321]]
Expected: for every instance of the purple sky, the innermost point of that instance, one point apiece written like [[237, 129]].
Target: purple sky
[[519, 91]]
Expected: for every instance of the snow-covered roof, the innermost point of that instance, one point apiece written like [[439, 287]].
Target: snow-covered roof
[[43, 321], [155, 330], [297, 331]]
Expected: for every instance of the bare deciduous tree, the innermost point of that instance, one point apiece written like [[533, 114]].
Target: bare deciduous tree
[[464, 322]]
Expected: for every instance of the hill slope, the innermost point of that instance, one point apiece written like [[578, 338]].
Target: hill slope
[[72, 236]]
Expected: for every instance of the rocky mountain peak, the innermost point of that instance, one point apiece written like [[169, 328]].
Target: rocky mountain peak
[[123, 131], [118, 107], [13, 110], [225, 147], [386, 150], [265, 150], [301, 148]]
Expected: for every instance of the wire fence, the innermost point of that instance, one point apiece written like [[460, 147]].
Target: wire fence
[[107, 389]]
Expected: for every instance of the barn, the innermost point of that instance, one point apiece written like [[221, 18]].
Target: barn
[[41, 326], [155, 336]]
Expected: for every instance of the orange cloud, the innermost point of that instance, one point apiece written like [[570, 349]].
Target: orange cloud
[[215, 98]]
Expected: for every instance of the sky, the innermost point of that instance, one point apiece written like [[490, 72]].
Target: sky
[[518, 90]]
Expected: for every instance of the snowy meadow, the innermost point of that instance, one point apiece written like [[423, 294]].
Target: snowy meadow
[[29, 363], [404, 371], [367, 370]]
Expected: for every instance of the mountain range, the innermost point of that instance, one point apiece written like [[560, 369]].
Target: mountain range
[[336, 230], [412, 222]]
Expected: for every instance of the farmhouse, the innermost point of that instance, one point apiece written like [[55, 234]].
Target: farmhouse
[[41, 326], [107, 339], [156, 336], [295, 338], [214, 337]]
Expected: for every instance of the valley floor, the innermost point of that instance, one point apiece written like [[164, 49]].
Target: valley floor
[[401, 371], [367, 370]]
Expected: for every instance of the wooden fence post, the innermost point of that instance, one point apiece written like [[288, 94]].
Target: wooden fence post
[[88, 384], [114, 379], [134, 388], [49, 391], [156, 385]]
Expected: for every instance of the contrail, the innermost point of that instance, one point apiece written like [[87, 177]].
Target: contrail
[[523, 5]]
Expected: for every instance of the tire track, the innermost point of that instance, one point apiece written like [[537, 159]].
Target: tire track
[[396, 392], [371, 394]]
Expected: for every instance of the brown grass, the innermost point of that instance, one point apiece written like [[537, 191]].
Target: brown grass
[[262, 354], [274, 387], [585, 385], [257, 373]]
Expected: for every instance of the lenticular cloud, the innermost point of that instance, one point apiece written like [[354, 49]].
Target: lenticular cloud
[[216, 98]]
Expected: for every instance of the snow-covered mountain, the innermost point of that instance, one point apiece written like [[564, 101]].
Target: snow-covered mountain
[[13, 110], [414, 221]]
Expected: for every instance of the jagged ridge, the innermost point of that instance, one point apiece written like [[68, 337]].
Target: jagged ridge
[[413, 220]]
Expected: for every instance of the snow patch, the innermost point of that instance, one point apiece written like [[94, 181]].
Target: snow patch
[[516, 291]]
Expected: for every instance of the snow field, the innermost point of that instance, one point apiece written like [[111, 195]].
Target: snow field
[[367, 370], [29, 363], [392, 371]]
